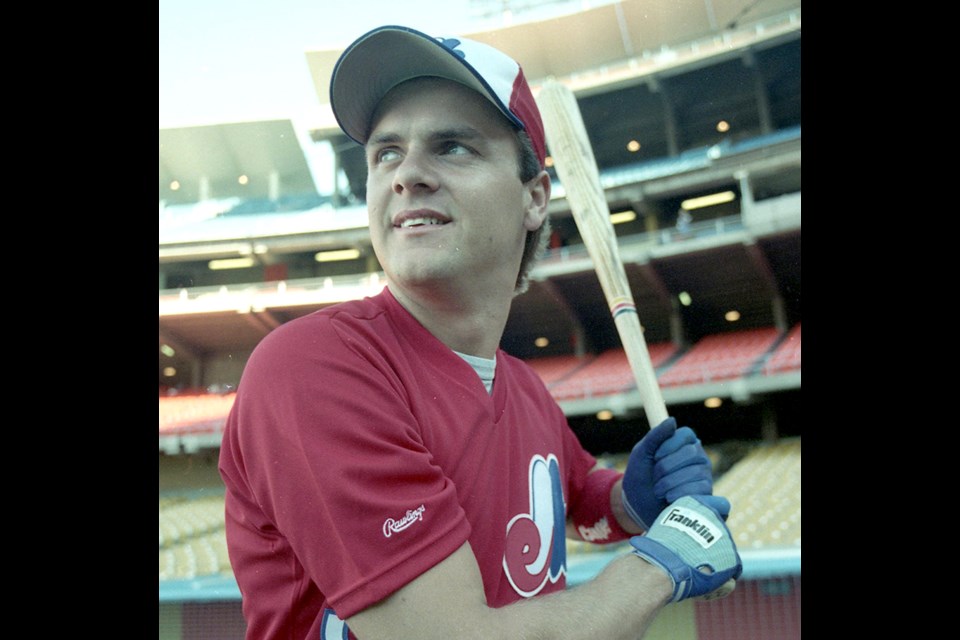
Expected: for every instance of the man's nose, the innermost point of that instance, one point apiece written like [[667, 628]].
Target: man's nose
[[415, 172]]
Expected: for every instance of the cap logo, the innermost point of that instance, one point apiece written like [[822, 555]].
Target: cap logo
[[452, 44]]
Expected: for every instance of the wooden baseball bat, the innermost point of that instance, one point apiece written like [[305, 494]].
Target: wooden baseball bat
[[577, 169]]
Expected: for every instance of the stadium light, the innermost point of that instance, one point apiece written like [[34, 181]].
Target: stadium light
[[623, 216], [708, 201], [231, 263], [334, 256]]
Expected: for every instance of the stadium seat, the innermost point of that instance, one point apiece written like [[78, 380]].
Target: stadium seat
[[764, 487], [607, 374], [553, 369], [720, 357], [786, 356]]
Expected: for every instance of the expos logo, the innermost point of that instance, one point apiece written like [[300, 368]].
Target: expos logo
[[536, 549], [452, 44]]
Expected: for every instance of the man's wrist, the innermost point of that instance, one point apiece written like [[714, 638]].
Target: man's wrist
[[657, 581], [592, 515], [618, 508]]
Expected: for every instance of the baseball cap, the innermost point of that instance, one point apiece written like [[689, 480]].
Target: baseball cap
[[386, 56]]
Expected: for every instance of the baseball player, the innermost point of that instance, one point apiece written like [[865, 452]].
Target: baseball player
[[392, 473]]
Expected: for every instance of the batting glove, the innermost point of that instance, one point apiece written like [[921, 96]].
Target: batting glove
[[691, 543], [666, 464]]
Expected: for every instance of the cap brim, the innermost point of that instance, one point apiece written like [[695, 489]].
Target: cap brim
[[383, 58]]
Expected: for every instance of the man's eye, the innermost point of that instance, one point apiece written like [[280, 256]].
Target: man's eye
[[387, 155], [453, 147]]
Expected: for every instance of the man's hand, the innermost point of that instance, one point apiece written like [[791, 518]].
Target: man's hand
[[666, 464], [691, 543]]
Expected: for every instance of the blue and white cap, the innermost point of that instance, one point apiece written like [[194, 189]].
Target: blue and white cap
[[383, 58]]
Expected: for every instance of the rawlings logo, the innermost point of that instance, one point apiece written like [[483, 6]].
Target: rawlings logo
[[391, 526]]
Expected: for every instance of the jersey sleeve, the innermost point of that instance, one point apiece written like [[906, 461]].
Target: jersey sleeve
[[335, 460]]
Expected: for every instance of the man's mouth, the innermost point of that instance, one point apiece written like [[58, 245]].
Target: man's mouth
[[421, 218], [420, 222]]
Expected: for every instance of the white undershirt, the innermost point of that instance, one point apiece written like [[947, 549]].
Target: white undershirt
[[485, 368]]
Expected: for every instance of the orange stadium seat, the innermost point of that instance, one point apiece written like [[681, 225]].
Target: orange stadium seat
[[786, 357], [720, 357], [194, 413], [607, 374], [553, 369]]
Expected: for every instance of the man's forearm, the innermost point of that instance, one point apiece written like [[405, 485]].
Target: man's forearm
[[448, 602], [619, 604]]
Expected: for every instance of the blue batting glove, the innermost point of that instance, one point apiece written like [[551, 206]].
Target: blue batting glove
[[668, 463], [691, 543]]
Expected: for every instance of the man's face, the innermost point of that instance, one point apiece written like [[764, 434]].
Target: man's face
[[444, 197]]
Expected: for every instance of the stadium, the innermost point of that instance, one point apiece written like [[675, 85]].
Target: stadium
[[694, 116]]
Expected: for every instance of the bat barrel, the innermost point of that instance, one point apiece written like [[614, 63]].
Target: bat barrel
[[577, 170]]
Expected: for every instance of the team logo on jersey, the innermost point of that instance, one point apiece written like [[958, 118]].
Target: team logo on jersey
[[536, 551], [332, 627]]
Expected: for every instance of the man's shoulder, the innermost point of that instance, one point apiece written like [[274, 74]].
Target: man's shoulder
[[358, 310], [325, 323]]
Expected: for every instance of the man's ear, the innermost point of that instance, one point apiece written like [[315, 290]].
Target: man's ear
[[538, 190]]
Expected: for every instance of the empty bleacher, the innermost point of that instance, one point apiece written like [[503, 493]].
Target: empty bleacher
[[553, 369], [192, 537], [786, 355], [204, 555], [194, 412], [764, 491], [607, 374], [720, 357]]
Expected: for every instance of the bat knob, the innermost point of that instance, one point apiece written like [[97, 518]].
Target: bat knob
[[722, 592]]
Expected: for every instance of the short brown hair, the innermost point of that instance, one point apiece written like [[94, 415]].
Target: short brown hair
[[536, 241]]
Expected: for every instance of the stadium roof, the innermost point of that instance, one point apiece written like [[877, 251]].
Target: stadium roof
[[640, 38], [207, 160]]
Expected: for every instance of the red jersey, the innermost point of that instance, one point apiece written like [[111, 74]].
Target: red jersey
[[361, 451]]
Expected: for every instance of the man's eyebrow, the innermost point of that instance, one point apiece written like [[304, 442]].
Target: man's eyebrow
[[453, 133], [383, 138]]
